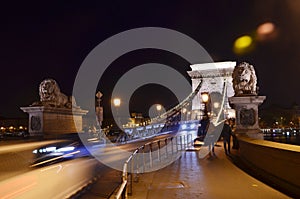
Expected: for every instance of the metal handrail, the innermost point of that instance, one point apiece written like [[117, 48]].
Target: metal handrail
[[125, 177], [123, 189]]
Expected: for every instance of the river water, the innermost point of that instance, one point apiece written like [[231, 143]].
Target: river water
[[288, 136]]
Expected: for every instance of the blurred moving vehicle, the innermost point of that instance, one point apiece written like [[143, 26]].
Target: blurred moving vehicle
[[58, 152], [59, 169], [61, 180]]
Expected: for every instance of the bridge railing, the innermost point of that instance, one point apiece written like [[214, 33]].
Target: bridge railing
[[153, 155]]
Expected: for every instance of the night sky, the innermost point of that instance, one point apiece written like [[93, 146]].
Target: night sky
[[48, 39]]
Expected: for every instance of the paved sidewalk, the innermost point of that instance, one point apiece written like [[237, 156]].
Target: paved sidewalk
[[210, 177], [108, 182]]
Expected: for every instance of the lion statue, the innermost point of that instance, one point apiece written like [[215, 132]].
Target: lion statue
[[50, 95], [244, 80]]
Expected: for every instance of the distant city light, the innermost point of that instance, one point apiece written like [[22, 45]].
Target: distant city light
[[183, 126], [193, 126]]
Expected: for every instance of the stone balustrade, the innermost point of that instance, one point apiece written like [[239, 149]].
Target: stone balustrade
[[276, 162]]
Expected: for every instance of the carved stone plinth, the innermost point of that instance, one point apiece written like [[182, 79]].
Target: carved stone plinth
[[246, 111], [51, 121]]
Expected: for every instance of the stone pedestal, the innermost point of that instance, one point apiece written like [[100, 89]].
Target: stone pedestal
[[51, 121], [246, 111]]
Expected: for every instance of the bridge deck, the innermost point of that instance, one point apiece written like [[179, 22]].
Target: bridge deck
[[210, 177]]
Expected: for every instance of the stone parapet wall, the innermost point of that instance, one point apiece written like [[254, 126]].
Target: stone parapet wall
[[278, 162]]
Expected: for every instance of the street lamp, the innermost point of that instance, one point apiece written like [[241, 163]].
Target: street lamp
[[117, 103], [184, 110], [205, 99], [158, 108], [99, 111]]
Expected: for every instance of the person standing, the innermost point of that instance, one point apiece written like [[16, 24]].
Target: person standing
[[226, 134], [202, 128]]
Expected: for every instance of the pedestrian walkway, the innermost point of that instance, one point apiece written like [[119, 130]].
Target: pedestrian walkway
[[209, 177]]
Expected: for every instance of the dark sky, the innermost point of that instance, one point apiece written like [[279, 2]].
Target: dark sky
[[51, 39]]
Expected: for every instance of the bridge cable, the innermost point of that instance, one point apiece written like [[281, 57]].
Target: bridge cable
[[184, 103], [224, 94]]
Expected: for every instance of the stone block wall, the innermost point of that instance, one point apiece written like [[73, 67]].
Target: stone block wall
[[279, 163]]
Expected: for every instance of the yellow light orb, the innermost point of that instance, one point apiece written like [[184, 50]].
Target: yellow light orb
[[243, 42]]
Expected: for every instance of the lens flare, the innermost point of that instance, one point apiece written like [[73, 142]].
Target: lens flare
[[266, 32], [243, 42], [265, 28]]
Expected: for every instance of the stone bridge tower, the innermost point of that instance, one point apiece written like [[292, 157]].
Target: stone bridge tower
[[213, 75]]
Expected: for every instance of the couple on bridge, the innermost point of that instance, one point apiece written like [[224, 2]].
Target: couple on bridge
[[210, 133]]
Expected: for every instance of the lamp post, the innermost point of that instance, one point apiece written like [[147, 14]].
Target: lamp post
[[99, 114], [184, 113], [117, 104], [205, 98], [99, 110]]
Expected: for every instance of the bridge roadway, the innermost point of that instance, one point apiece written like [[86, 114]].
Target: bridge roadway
[[188, 177], [57, 180], [209, 177]]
